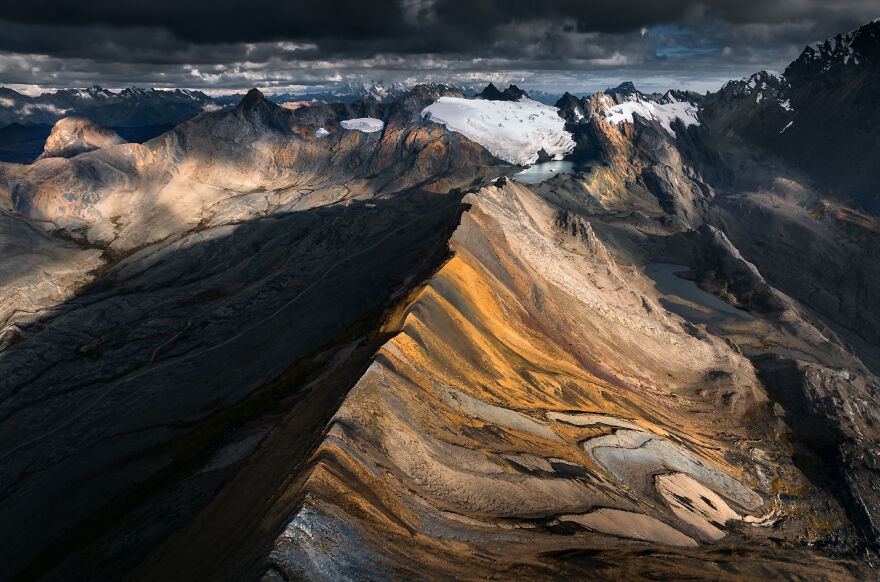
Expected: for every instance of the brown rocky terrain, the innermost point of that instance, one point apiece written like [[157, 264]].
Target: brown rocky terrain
[[273, 259], [538, 401], [265, 345]]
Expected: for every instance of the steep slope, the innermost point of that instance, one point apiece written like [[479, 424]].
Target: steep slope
[[819, 117], [638, 150], [547, 410], [223, 265], [836, 85], [37, 271], [335, 343], [541, 400], [734, 170]]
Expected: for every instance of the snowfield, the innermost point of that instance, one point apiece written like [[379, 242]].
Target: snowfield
[[513, 131], [665, 111], [365, 124]]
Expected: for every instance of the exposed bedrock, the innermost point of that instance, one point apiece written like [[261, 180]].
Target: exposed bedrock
[[539, 401], [176, 292], [72, 136], [337, 343]]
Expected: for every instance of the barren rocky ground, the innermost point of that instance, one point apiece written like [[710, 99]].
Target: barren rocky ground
[[265, 345]]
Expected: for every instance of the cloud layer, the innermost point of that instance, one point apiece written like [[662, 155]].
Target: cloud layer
[[552, 44]]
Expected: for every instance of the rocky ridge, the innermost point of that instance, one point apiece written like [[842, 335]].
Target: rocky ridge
[[405, 365], [204, 243]]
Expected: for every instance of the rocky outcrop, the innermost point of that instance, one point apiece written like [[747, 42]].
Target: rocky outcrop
[[76, 135]]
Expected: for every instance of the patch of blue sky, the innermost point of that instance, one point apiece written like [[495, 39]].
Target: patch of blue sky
[[679, 51], [669, 30]]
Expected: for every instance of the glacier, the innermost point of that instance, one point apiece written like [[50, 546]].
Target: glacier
[[513, 131]]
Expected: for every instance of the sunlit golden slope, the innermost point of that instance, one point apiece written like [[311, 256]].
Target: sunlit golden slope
[[539, 401]]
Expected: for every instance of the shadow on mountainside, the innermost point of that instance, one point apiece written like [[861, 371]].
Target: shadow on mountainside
[[812, 423], [112, 401]]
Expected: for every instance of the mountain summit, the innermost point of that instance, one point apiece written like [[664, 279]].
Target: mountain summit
[[512, 93], [72, 136], [251, 100], [857, 47]]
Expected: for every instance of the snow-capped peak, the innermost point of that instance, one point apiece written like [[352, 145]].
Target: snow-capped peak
[[845, 48], [665, 110]]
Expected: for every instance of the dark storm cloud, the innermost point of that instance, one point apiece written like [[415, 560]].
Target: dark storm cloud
[[402, 26], [207, 21], [224, 43]]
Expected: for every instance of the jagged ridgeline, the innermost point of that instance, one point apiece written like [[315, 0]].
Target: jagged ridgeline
[[357, 341]]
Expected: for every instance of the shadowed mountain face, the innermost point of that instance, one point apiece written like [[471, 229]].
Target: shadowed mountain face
[[128, 108], [819, 116], [341, 343], [255, 257]]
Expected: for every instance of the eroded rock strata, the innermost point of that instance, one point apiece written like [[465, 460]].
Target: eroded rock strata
[[342, 342], [129, 268], [540, 401]]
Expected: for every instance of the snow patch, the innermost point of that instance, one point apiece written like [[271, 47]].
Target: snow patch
[[321, 132], [785, 104], [786, 127], [513, 131], [665, 111], [364, 124], [836, 49]]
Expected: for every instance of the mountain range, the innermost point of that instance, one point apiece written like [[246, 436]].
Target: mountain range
[[436, 335], [139, 115]]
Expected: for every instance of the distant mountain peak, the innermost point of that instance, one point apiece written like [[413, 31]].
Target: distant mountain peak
[[625, 88], [491, 92], [512, 93], [255, 109]]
